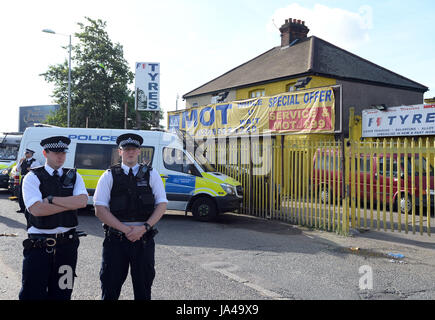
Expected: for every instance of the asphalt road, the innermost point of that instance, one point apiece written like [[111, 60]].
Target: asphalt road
[[245, 258]]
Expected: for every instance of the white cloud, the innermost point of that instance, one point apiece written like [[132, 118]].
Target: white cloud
[[343, 28]]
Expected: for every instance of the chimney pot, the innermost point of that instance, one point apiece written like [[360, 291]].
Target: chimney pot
[[293, 29]]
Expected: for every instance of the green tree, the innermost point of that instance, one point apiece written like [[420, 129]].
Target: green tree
[[99, 82]]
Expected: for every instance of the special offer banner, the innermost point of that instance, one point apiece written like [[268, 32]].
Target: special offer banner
[[306, 111]]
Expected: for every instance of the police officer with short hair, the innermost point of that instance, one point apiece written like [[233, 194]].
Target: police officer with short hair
[[52, 194], [24, 166], [129, 199]]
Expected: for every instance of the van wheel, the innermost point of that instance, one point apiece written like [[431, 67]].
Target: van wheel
[[404, 203], [204, 209]]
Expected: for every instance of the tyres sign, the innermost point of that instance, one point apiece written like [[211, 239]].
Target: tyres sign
[[414, 120], [147, 85]]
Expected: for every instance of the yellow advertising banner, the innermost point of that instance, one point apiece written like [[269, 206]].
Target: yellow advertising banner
[[306, 111]]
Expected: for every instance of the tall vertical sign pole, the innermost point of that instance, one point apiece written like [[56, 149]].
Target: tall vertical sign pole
[[69, 84], [125, 115]]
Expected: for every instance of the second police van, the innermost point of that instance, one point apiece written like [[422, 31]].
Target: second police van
[[9, 145], [191, 182]]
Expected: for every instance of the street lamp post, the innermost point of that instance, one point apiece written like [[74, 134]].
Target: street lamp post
[[69, 72]]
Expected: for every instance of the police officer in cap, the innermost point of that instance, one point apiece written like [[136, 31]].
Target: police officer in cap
[[129, 199], [24, 166], [52, 194]]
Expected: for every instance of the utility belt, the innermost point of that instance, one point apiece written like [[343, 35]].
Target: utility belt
[[113, 233], [50, 241]]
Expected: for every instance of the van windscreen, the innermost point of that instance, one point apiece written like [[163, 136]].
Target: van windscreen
[[8, 152]]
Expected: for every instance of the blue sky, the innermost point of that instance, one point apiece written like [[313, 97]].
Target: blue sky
[[196, 41]]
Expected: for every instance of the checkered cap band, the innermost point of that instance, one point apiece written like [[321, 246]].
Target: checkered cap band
[[129, 141], [56, 145]]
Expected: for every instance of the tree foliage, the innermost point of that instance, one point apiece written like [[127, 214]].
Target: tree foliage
[[99, 82]]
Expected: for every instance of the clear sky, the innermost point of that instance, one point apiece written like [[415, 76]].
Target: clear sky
[[198, 40]]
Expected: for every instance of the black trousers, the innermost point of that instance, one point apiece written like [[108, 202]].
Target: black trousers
[[48, 273], [20, 196], [118, 255]]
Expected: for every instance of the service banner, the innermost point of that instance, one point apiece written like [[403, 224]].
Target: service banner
[[413, 120], [307, 111]]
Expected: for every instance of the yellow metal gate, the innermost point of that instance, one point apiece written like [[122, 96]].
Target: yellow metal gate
[[385, 184]]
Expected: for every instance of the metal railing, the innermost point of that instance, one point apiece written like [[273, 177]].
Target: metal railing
[[384, 184]]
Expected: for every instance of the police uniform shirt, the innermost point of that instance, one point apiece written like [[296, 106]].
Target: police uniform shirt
[[104, 188], [33, 165], [32, 194]]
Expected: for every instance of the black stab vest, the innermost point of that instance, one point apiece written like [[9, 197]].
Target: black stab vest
[[25, 165], [131, 200], [57, 188]]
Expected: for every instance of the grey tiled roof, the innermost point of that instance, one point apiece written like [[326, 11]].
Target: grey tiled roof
[[307, 57]]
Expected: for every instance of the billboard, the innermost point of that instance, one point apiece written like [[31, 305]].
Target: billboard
[[29, 115], [413, 120], [147, 86], [307, 111]]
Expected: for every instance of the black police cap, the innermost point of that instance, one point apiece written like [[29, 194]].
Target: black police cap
[[29, 150], [129, 139], [56, 143]]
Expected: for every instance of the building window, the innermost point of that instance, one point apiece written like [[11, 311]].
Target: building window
[[214, 99], [257, 93], [220, 97], [290, 87], [195, 104]]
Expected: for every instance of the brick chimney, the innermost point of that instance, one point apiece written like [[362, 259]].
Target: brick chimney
[[291, 30]]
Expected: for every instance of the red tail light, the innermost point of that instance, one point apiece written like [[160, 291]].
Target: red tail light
[[16, 180]]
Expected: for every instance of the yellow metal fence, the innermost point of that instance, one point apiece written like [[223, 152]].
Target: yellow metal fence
[[385, 184]]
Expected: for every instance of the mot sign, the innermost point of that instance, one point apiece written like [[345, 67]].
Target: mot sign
[[147, 86]]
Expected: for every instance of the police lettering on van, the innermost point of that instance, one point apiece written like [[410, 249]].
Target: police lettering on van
[[84, 137]]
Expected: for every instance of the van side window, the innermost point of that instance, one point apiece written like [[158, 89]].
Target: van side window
[[417, 168], [176, 160], [381, 167], [102, 156], [94, 156], [361, 163], [146, 155], [322, 162], [325, 162]]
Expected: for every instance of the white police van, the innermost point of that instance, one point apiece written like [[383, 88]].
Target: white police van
[[191, 182]]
